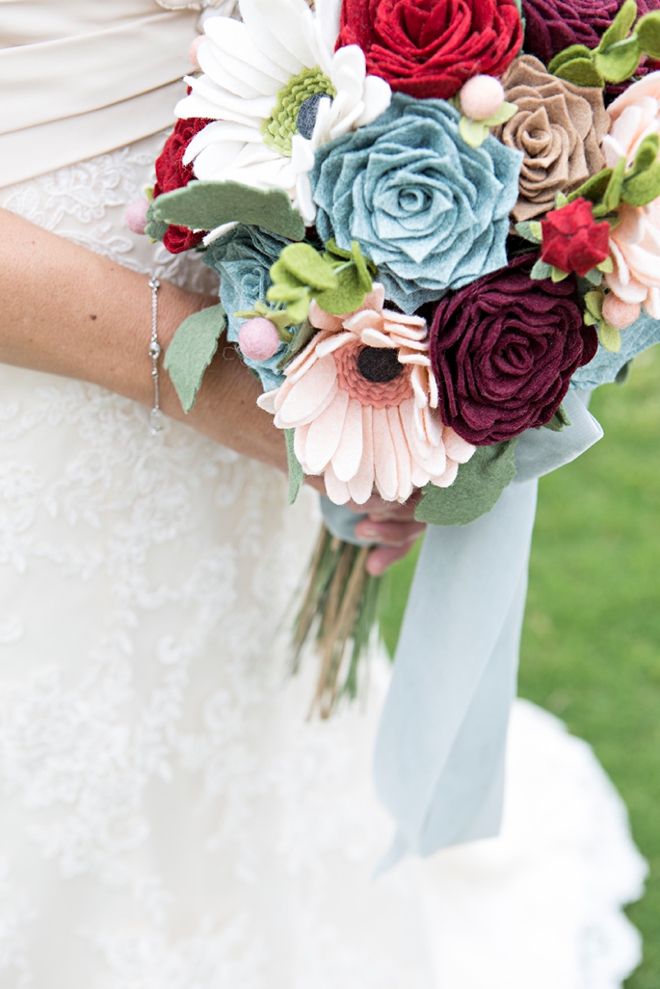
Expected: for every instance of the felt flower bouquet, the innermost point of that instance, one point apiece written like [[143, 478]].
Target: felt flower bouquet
[[429, 219]]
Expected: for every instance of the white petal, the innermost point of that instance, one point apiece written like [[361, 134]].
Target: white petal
[[336, 490], [376, 96], [362, 485], [387, 480], [402, 454], [225, 104], [265, 40], [310, 395], [325, 433], [348, 455], [328, 14], [242, 55], [212, 66], [286, 20]]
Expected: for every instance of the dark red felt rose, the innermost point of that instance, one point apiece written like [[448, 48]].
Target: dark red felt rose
[[573, 240], [172, 174], [429, 48], [503, 351], [552, 25]]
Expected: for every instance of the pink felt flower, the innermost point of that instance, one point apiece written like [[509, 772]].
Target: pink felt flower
[[635, 242], [364, 405]]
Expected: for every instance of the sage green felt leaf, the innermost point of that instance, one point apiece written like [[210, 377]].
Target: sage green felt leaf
[[541, 270], [612, 196], [581, 72], [529, 232], [568, 55], [307, 265], [559, 420], [476, 490], [191, 351], [618, 62], [620, 26], [647, 153], [154, 228], [594, 188], [206, 205], [609, 337], [648, 34], [594, 277], [643, 188], [347, 297], [296, 473]]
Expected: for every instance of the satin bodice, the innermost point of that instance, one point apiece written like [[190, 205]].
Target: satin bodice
[[78, 79]]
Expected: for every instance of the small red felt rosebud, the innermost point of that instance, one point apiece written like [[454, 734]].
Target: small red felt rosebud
[[573, 240], [172, 174]]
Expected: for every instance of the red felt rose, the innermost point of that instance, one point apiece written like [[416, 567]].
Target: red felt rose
[[429, 48], [503, 351], [172, 174], [573, 240]]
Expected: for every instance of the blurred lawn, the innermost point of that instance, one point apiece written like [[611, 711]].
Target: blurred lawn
[[591, 643]]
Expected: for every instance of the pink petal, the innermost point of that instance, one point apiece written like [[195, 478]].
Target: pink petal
[[337, 490], [347, 457], [266, 401], [325, 433], [300, 445], [652, 304], [402, 454], [449, 476], [457, 448], [387, 480], [364, 319], [419, 476], [305, 353], [419, 388], [323, 320], [310, 395], [375, 298], [374, 338], [334, 343], [362, 485]]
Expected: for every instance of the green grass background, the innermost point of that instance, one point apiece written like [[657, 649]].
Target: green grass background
[[591, 641]]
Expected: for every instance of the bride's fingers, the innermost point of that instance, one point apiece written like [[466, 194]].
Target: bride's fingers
[[389, 533], [384, 556]]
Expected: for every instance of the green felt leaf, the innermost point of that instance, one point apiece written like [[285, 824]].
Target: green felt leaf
[[594, 303], [558, 275], [589, 320], [618, 62], [581, 72], [561, 200], [307, 265], [347, 297], [504, 114], [647, 33], [647, 153], [206, 205], [299, 341], [154, 228], [620, 26], [642, 189], [281, 275], [607, 266], [559, 420], [594, 277], [298, 310], [277, 316], [360, 263], [296, 473], [541, 270], [473, 132], [338, 253], [609, 337], [476, 490], [594, 188], [612, 195], [285, 293], [568, 55], [191, 351], [530, 231]]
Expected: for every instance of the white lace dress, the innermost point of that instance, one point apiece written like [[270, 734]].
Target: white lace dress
[[169, 820]]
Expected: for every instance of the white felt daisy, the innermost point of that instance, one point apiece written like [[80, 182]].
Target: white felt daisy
[[275, 90]]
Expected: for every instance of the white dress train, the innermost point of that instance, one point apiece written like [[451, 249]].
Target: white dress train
[[169, 819]]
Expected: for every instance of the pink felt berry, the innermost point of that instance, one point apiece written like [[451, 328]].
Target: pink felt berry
[[135, 216], [258, 339], [481, 97], [194, 48], [618, 313]]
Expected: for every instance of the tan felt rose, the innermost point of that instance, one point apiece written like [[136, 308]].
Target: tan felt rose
[[558, 127]]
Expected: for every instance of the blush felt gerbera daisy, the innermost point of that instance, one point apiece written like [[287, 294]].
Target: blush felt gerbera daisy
[[363, 402]]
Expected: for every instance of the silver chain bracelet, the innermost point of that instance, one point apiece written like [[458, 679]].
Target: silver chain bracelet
[[156, 419]]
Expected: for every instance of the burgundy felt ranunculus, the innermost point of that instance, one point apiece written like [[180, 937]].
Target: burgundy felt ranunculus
[[503, 351], [172, 174], [429, 48], [573, 240], [552, 25]]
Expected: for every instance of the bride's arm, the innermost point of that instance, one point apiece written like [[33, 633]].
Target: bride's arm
[[69, 311]]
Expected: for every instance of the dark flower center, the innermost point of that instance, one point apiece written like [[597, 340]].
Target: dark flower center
[[379, 364], [307, 115]]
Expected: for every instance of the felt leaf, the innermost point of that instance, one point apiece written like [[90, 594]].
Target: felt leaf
[[207, 205], [647, 153], [281, 275], [568, 55], [284, 293], [191, 351], [347, 297], [473, 132], [277, 316], [299, 341], [594, 188], [642, 189], [296, 473], [298, 310], [501, 116], [609, 337], [541, 270], [154, 228], [558, 275], [581, 72], [561, 200], [612, 195], [607, 266], [476, 490], [559, 420], [530, 231], [620, 26], [647, 33], [594, 277], [307, 265], [589, 320], [360, 263], [594, 303], [618, 62]]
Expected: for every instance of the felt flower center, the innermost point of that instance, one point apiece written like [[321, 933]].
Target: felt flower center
[[373, 375], [379, 365], [296, 109]]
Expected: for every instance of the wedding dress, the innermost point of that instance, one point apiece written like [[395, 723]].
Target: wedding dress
[[169, 818]]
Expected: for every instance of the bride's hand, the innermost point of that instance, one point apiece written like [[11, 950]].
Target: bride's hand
[[392, 527]]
